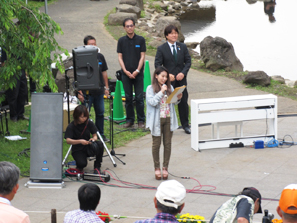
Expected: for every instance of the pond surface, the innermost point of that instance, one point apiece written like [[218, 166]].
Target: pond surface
[[258, 43]]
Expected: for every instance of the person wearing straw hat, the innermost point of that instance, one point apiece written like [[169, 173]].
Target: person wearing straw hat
[[287, 208], [169, 201]]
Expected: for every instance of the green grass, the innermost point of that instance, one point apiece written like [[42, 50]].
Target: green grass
[[12, 150], [39, 4]]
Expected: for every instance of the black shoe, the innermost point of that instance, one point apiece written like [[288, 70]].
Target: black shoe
[[187, 130], [22, 117], [97, 171], [128, 125], [105, 139], [14, 119]]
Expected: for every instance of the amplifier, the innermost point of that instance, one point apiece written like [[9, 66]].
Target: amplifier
[[96, 177]]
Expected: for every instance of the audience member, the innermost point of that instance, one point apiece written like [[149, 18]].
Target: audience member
[[9, 176], [240, 208], [287, 208], [89, 196], [169, 201]]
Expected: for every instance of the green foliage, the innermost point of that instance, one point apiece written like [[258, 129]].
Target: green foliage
[[39, 3], [277, 88], [142, 14], [29, 43], [156, 7]]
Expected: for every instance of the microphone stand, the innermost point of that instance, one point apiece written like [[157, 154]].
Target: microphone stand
[[112, 152], [67, 90]]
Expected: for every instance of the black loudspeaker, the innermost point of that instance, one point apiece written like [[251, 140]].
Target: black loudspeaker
[[86, 68], [46, 137]]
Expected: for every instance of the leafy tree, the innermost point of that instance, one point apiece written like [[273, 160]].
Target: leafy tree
[[27, 36]]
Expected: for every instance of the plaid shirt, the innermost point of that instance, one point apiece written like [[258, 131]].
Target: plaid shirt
[[80, 216], [160, 218]]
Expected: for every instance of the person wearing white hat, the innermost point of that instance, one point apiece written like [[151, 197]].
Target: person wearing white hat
[[169, 201], [287, 208]]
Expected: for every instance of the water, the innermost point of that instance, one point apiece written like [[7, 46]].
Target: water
[[258, 43]]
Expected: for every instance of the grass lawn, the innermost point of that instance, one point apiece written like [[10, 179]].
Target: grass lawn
[[15, 151]]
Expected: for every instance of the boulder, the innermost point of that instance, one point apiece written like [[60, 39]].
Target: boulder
[[290, 83], [160, 4], [279, 79], [128, 2], [194, 54], [192, 45], [150, 10], [257, 78], [118, 18], [164, 21], [129, 9], [176, 6], [138, 3], [156, 43], [251, 1], [217, 53]]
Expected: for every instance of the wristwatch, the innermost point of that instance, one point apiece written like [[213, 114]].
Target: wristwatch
[[106, 88], [137, 70]]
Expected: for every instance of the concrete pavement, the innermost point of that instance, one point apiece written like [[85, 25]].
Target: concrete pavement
[[222, 170]]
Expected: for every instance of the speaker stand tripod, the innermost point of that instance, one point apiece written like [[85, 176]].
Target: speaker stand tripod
[[112, 152]]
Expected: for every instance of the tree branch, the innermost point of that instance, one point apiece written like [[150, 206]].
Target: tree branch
[[34, 16]]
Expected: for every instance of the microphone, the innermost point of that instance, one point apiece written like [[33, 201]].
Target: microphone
[[165, 91]]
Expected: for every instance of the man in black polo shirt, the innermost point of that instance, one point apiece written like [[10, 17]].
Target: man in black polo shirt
[[131, 52], [97, 96]]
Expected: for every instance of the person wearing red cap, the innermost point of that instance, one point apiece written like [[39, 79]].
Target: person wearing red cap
[[240, 208], [287, 208]]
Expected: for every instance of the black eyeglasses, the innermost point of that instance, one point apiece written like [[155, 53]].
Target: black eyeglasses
[[129, 26]]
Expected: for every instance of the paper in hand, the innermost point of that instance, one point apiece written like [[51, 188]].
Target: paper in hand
[[173, 96]]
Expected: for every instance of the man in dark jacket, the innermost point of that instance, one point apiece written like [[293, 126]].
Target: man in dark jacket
[[176, 58]]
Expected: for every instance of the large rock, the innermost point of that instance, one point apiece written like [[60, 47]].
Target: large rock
[[138, 3], [164, 21], [119, 17], [156, 43], [160, 4], [217, 53], [129, 9], [192, 45], [279, 79], [128, 2], [257, 78]]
